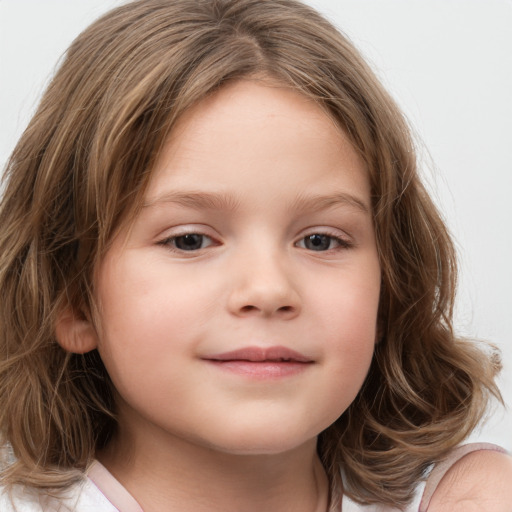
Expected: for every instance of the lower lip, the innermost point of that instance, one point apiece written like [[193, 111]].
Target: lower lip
[[262, 369]]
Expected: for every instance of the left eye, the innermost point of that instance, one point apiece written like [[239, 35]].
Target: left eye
[[188, 242], [320, 242]]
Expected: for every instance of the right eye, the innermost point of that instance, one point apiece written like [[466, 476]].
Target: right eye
[[322, 242], [187, 242]]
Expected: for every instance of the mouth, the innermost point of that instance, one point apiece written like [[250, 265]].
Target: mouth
[[261, 363]]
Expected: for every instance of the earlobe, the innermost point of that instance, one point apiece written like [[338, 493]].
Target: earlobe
[[75, 333]]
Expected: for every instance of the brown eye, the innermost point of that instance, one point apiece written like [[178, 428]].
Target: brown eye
[[188, 242]]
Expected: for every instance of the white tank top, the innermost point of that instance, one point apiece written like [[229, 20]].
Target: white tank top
[[101, 492]]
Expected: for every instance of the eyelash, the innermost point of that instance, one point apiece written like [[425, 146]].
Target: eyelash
[[341, 244], [170, 242]]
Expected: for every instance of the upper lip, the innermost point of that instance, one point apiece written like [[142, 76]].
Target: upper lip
[[261, 354]]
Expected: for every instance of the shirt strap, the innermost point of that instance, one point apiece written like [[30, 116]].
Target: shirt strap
[[442, 468], [112, 489]]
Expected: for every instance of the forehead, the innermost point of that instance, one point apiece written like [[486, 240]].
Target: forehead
[[261, 130]]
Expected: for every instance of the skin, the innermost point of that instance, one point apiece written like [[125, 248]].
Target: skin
[[258, 174], [245, 180], [478, 482]]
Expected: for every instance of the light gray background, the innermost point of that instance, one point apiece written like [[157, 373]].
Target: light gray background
[[447, 62]]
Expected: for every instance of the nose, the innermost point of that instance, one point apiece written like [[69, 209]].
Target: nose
[[264, 286]]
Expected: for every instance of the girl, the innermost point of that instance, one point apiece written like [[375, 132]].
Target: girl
[[225, 287]]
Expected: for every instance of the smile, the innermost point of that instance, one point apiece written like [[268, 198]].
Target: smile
[[261, 363]]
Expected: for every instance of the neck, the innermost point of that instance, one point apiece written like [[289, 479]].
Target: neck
[[180, 475]]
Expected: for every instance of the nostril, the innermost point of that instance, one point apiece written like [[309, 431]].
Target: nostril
[[247, 309], [250, 309]]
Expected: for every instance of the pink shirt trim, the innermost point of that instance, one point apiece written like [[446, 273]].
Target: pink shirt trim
[[112, 489], [123, 501], [442, 468]]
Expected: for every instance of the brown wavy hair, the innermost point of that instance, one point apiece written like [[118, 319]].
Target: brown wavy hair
[[81, 168]]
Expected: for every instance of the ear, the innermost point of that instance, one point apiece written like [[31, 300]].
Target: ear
[[74, 332]]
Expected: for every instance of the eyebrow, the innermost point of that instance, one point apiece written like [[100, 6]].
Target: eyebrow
[[196, 199], [323, 202], [223, 201]]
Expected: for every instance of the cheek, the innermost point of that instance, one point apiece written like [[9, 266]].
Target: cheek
[[347, 306], [145, 314], [148, 296], [346, 319]]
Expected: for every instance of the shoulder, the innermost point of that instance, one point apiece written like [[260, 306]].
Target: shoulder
[[80, 497], [481, 480], [15, 500]]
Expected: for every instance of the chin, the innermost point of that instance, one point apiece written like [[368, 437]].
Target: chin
[[265, 441]]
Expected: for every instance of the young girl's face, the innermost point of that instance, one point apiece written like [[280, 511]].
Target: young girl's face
[[239, 311]]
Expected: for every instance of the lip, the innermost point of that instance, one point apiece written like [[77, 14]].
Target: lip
[[261, 354], [261, 362]]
